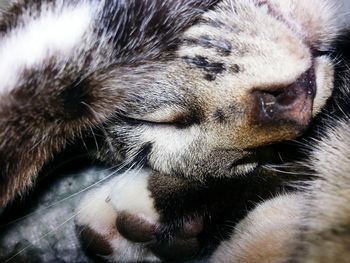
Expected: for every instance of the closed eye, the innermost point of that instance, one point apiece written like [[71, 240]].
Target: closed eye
[[319, 53], [164, 117]]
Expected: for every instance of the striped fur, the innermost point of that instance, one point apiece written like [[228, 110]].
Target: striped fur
[[174, 86]]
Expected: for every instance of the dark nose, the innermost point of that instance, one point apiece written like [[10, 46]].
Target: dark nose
[[290, 104]]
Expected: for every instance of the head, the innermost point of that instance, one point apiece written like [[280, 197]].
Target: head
[[246, 75]]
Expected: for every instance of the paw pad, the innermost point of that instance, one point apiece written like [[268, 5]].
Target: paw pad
[[93, 242], [166, 242], [136, 228]]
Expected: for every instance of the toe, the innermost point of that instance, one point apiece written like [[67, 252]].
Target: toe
[[178, 249], [135, 228], [94, 243], [191, 228]]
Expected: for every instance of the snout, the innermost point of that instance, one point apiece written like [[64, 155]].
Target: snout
[[280, 113], [289, 105]]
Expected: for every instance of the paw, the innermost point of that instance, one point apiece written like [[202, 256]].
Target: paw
[[167, 243], [96, 223], [266, 235], [118, 222], [175, 244]]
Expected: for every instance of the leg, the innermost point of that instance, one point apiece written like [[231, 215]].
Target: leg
[[265, 235], [119, 222]]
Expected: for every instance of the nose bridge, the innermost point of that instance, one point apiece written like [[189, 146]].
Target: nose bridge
[[277, 70], [271, 101], [277, 59]]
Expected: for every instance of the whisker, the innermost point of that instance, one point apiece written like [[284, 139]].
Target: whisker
[[95, 140], [67, 198], [272, 168], [41, 238], [74, 214], [121, 167], [108, 140]]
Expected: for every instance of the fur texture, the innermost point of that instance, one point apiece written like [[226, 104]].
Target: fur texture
[[66, 89], [193, 90], [180, 202], [311, 225], [315, 226]]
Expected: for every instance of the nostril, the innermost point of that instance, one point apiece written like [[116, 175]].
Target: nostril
[[286, 98], [277, 101], [286, 103], [267, 103]]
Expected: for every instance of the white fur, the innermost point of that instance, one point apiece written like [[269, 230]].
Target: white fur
[[126, 251], [127, 192], [324, 78], [96, 212], [169, 143], [53, 32], [99, 210], [130, 193]]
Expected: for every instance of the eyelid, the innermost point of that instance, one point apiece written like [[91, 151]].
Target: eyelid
[[165, 115], [319, 53]]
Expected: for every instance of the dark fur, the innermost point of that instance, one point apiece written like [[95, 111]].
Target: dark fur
[[54, 107], [51, 108]]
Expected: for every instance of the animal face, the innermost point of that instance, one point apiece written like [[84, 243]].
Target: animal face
[[247, 74]]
